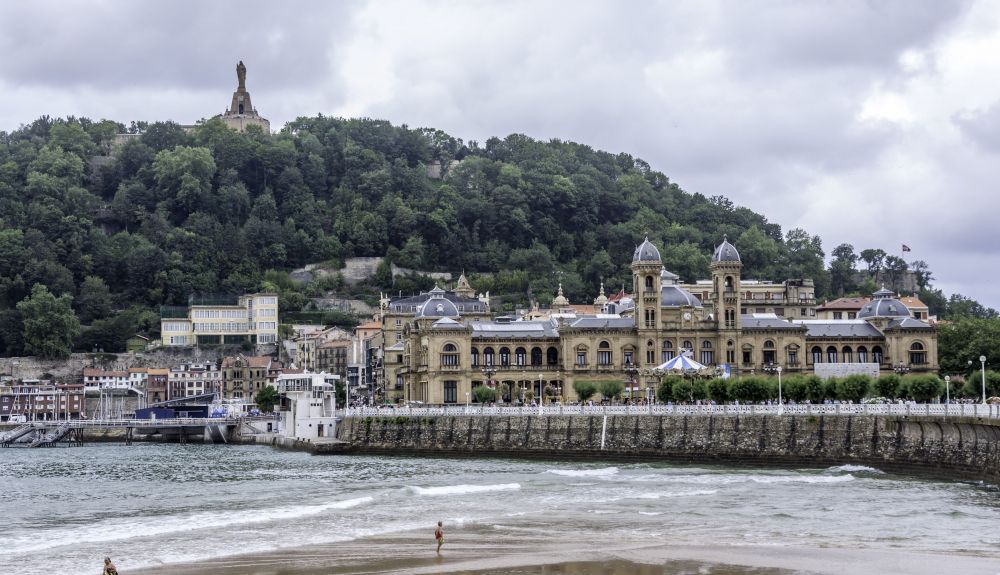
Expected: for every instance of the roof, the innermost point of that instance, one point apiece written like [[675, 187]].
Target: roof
[[521, 329], [909, 323], [839, 328], [845, 304], [676, 296], [594, 322], [766, 321], [258, 361], [446, 323], [726, 252], [646, 252], [408, 303], [370, 325], [94, 372], [913, 302]]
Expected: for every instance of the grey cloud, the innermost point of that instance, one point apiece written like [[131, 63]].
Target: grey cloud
[[982, 127], [166, 45]]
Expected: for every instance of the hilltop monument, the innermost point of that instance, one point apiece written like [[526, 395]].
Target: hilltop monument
[[241, 113]]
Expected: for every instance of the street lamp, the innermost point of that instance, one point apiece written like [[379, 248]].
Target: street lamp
[[947, 389], [541, 393], [900, 368], [781, 404], [982, 362], [467, 401], [630, 371], [488, 372]]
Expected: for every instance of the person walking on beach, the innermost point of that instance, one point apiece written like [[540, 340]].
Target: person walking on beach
[[439, 535], [109, 567]]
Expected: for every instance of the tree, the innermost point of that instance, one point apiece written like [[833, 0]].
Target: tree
[[874, 257], [842, 269], [94, 301], [895, 267], [611, 388], [887, 386], [584, 390], [853, 387], [266, 399], [49, 323], [923, 388], [484, 394], [923, 274]]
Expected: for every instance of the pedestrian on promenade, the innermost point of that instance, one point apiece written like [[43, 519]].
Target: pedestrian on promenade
[[109, 567], [438, 534]]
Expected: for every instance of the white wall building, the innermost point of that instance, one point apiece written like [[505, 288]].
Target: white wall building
[[307, 405], [215, 320]]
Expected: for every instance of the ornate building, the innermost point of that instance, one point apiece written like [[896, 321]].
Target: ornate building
[[442, 344]]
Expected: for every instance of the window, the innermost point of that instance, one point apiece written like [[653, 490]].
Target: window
[[627, 357], [817, 354], [687, 347], [847, 354], [862, 354], [604, 353], [504, 356], [831, 354], [451, 392], [649, 283], [536, 356], [475, 357], [399, 322], [838, 315], [519, 356], [917, 354], [488, 356], [449, 355], [552, 356], [707, 357], [650, 356], [793, 356], [877, 354], [852, 315], [581, 357]]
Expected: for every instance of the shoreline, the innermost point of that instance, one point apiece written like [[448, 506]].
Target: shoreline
[[470, 552]]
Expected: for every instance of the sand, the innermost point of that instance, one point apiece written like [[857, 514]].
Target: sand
[[475, 553]]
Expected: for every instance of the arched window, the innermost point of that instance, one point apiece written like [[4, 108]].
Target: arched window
[[687, 348], [649, 283], [817, 353], [604, 353], [877, 354], [668, 351], [449, 355], [769, 352], [846, 354], [729, 283], [504, 356], [917, 354], [488, 356], [831, 354], [747, 354], [862, 354], [552, 356], [628, 355], [706, 345], [581, 355], [475, 357], [536, 356], [707, 355], [520, 356]]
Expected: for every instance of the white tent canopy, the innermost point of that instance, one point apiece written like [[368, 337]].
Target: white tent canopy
[[681, 363]]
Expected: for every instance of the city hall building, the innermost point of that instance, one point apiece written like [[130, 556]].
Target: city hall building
[[441, 345]]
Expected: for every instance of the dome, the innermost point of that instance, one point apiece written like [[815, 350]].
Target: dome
[[883, 304], [673, 295], [666, 276], [646, 252], [726, 252], [437, 305]]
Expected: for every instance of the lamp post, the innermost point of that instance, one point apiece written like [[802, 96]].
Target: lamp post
[[947, 389], [900, 368], [488, 372], [781, 404], [630, 371], [467, 401], [982, 371], [541, 393]]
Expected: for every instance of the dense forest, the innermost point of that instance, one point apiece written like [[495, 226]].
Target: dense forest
[[96, 234]]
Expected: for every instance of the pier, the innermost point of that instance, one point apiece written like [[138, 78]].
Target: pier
[[77, 431]]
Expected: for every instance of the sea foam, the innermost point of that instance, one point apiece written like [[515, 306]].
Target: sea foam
[[462, 489], [603, 472]]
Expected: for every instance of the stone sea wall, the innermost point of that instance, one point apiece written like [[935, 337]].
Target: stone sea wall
[[967, 448]]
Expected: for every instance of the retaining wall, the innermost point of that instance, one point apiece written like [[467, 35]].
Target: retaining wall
[[967, 448]]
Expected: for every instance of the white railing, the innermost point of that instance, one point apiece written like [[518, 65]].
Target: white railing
[[162, 422], [912, 409]]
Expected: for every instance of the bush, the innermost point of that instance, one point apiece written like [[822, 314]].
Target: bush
[[924, 388], [717, 389], [665, 392], [854, 387], [830, 388], [887, 386], [814, 389], [611, 388], [484, 394], [794, 388], [682, 391], [584, 389], [750, 388]]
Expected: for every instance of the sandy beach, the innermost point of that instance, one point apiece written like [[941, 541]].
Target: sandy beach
[[473, 553]]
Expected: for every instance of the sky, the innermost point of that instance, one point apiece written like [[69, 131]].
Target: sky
[[873, 123]]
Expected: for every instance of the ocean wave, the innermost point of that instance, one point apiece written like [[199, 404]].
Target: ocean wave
[[667, 494], [854, 469], [153, 526], [462, 489], [603, 472], [800, 478]]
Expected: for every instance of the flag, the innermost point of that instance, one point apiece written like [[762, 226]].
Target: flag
[[906, 248]]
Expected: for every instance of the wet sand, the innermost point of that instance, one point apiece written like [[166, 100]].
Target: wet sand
[[476, 554]]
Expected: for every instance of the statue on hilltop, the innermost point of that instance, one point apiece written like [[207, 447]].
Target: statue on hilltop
[[241, 75]]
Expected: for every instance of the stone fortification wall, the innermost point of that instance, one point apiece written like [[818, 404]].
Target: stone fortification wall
[[959, 447]]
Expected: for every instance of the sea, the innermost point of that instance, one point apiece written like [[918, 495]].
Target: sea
[[155, 504]]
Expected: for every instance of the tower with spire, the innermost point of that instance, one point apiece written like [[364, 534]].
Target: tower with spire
[[646, 267], [726, 267]]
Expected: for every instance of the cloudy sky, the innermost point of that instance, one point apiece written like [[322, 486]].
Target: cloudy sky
[[875, 123]]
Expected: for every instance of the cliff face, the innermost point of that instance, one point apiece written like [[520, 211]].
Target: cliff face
[[959, 447]]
